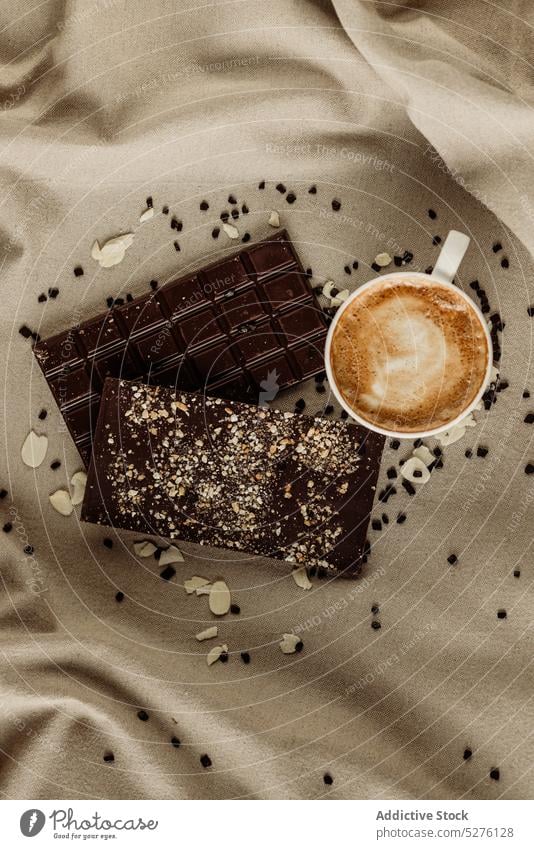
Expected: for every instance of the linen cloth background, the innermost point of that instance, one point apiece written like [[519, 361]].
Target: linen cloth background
[[393, 108]]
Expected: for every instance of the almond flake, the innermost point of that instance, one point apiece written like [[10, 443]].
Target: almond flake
[[383, 260], [215, 653], [61, 501], [170, 555], [146, 215], [34, 449], [274, 219], [220, 598], [289, 643], [208, 634], [112, 252], [78, 482], [415, 470], [145, 548], [204, 590], [231, 231], [300, 576], [191, 584]]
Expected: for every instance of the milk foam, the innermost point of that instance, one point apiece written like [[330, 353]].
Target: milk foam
[[409, 355]]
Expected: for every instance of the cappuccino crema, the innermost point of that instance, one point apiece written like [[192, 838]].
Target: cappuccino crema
[[409, 354]]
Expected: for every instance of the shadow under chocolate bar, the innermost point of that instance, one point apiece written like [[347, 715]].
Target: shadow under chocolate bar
[[221, 473], [245, 325]]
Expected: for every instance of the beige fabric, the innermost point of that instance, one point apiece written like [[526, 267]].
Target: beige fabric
[[392, 108]]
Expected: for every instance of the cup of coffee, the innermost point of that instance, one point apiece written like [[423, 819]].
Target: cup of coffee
[[410, 354]]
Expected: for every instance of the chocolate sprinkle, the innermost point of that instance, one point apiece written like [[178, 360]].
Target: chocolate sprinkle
[[291, 197], [215, 233], [327, 778], [204, 205], [281, 188], [53, 292], [505, 263], [452, 559], [234, 608], [245, 657], [55, 465], [401, 518], [205, 760], [119, 597], [109, 757], [175, 742], [261, 185], [168, 573], [78, 271], [495, 773], [467, 754], [312, 190], [432, 214], [501, 614], [42, 298], [497, 247], [142, 715], [42, 415], [336, 205], [482, 451]]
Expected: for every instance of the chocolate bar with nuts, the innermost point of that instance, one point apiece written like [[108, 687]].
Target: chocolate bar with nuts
[[233, 475]]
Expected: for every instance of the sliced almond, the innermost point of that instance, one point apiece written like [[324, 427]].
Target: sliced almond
[[383, 260], [78, 482], [274, 219], [146, 215], [208, 634], [61, 501], [220, 598], [205, 590], [231, 231], [171, 555], [448, 437], [289, 643], [215, 653], [415, 470], [112, 252], [145, 548], [191, 584], [34, 449], [300, 576]]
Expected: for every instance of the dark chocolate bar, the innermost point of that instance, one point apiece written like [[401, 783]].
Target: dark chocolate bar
[[246, 324], [232, 475]]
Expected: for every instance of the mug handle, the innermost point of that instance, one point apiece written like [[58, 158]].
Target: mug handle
[[450, 257]]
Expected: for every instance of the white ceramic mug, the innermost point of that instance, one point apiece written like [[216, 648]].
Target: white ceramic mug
[[444, 272]]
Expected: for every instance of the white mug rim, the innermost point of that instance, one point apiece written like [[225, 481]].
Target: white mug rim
[[402, 434]]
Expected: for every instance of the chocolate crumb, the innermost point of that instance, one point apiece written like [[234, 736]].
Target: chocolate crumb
[[205, 760], [437, 240], [28, 549], [3, 494], [232, 200], [154, 285], [261, 185], [312, 190], [175, 742], [224, 216], [223, 657], [291, 197], [245, 657], [429, 269], [376, 525], [432, 214], [452, 559], [150, 202], [204, 205], [215, 233], [529, 469], [347, 269], [495, 774], [42, 415], [55, 464], [482, 451], [375, 609], [355, 265], [235, 214], [505, 263], [391, 473], [501, 614], [244, 209], [401, 518], [468, 453], [526, 394], [109, 757], [517, 573], [327, 778], [398, 261], [281, 188], [176, 225], [108, 543], [165, 210], [299, 646], [142, 715], [119, 596], [234, 608], [407, 257], [42, 298], [375, 625], [529, 418], [395, 444], [385, 518], [467, 754], [336, 205], [168, 573], [25, 331], [53, 292], [246, 237], [177, 246], [375, 267], [78, 271], [497, 247], [8, 527]]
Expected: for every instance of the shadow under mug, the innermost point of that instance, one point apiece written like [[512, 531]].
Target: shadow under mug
[[447, 265]]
